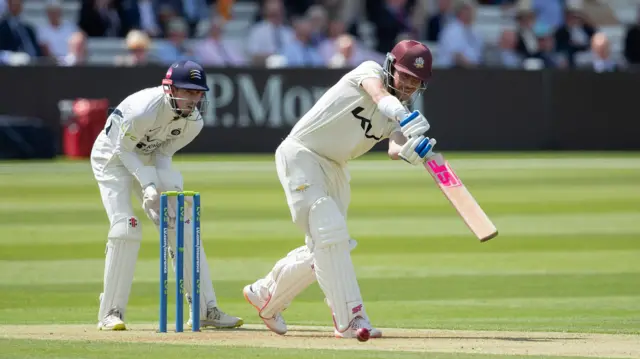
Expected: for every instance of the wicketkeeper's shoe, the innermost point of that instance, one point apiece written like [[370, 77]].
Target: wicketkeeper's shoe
[[218, 319], [357, 323], [275, 324], [112, 321]]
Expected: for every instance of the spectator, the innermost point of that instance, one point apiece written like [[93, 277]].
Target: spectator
[[166, 13], [318, 17], [297, 8], [497, 2], [506, 55], [269, 36], [99, 18], [192, 12], [290, 8], [217, 51], [527, 40], [351, 13], [55, 34], [138, 44], [438, 21], [77, 50], [460, 45], [602, 60], [549, 12], [148, 20], [327, 47], [330, 48], [343, 57], [350, 53], [176, 48], [575, 35], [509, 7], [391, 18], [129, 14], [301, 52], [632, 43], [547, 55], [336, 9], [16, 35]]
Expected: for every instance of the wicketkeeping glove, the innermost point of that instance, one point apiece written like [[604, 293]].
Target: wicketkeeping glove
[[417, 149], [151, 206], [414, 125], [171, 180]]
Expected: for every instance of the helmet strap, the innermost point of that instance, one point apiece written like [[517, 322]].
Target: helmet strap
[[390, 88], [389, 70], [168, 90]]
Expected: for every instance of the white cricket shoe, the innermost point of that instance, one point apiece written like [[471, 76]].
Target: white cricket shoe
[[112, 321], [217, 319], [275, 324], [357, 323]]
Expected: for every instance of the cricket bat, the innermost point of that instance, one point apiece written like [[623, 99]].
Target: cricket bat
[[456, 192]]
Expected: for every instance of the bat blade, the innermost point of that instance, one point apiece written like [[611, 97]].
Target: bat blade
[[457, 193]]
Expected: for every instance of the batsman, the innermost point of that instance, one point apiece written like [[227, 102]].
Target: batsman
[[133, 155], [367, 105]]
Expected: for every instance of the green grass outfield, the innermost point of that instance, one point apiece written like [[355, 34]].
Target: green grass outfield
[[567, 261]]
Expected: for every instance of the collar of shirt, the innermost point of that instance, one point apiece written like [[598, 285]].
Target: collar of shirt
[[602, 65]]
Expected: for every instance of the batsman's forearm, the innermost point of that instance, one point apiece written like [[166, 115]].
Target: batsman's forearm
[[396, 141], [392, 108], [388, 104], [394, 154]]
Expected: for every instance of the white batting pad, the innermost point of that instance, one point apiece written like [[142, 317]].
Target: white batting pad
[[289, 277], [122, 252], [334, 269], [207, 294]]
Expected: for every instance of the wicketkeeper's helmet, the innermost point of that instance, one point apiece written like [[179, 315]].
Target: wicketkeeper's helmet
[[187, 75]]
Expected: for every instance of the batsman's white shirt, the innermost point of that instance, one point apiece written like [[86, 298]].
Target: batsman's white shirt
[[343, 125], [142, 131]]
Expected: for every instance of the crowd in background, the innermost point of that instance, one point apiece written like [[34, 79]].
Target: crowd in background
[[319, 33]]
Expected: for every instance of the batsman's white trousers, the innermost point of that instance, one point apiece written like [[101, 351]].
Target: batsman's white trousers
[[306, 177]]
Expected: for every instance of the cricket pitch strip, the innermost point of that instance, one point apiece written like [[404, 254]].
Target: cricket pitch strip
[[309, 337]]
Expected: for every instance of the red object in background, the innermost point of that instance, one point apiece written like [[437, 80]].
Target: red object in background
[[83, 126]]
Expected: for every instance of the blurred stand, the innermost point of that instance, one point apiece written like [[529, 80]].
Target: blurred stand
[[25, 138]]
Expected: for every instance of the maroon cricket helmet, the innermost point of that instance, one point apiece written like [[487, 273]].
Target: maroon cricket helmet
[[412, 58]]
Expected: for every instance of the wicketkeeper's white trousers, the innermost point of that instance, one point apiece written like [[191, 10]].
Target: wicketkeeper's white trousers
[[116, 187]]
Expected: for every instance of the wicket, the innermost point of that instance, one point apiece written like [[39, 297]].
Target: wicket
[[179, 253]]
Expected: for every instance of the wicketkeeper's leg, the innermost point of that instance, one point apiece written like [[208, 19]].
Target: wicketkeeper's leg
[[123, 244], [210, 315]]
